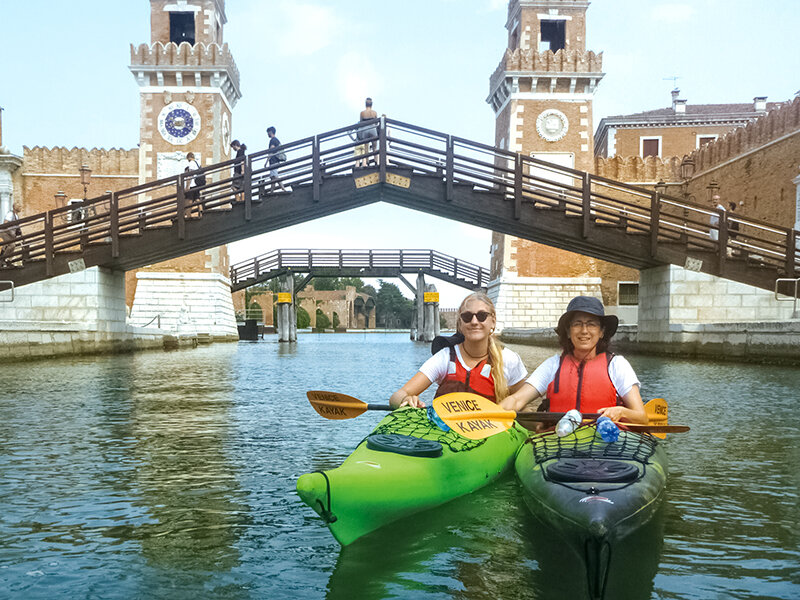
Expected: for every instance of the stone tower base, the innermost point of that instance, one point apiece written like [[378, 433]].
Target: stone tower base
[[534, 302], [77, 313], [186, 303], [671, 298]]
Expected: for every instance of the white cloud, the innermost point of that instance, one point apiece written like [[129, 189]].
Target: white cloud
[[357, 78], [290, 28], [673, 12]]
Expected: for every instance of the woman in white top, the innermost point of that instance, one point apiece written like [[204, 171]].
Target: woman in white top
[[474, 362], [585, 376]]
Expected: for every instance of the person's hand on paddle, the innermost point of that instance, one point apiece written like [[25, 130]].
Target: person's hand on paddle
[[412, 401]]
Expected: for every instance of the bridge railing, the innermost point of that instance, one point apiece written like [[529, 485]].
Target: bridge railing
[[505, 176], [406, 261]]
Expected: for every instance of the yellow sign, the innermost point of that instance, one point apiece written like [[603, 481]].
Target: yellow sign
[[284, 298], [398, 180], [431, 297], [367, 180]]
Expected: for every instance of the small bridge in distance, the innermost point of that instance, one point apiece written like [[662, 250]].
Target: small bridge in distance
[[313, 263], [358, 263]]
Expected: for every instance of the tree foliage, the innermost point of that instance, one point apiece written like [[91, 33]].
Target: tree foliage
[[323, 322], [392, 309], [303, 318]]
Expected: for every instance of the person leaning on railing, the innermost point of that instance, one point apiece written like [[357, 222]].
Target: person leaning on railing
[[9, 235]]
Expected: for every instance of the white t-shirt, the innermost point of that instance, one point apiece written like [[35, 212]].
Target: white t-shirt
[[620, 371], [435, 368]]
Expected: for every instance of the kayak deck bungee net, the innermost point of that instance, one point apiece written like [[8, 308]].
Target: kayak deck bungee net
[[592, 492], [406, 465]]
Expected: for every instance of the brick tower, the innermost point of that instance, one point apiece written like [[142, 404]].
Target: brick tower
[[188, 86], [542, 95]]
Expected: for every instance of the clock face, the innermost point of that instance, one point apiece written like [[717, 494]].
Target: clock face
[[179, 123], [552, 125]]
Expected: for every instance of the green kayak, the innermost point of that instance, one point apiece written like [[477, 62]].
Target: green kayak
[[406, 465], [591, 492]]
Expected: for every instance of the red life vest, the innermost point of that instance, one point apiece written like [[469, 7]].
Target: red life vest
[[585, 386], [477, 380]]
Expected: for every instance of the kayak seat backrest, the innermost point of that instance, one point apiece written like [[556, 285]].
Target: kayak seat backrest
[[404, 444], [576, 470]]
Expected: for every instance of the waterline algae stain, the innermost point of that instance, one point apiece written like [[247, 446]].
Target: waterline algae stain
[[171, 475]]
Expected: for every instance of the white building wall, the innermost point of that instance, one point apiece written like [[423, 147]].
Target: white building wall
[[534, 302]]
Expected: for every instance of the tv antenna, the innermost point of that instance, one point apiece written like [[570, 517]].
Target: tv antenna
[[673, 79]]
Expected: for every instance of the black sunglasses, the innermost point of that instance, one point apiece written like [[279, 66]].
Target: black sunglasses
[[482, 315]]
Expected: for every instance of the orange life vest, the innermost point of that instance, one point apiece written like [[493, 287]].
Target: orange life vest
[[585, 386], [477, 380]]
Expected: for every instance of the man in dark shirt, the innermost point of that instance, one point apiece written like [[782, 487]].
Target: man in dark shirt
[[274, 159]]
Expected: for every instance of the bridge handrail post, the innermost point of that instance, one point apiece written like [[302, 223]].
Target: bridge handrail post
[[791, 250], [247, 190], [382, 150], [723, 240], [113, 217], [449, 169], [316, 170], [430, 259], [256, 268], [280, 259], [49, 253], [455, 267], [370, 259], [518, 186], [341, 262], [586, 204], [181, 208], [655, 221]]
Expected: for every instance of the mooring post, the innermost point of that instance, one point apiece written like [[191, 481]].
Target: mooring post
[[431, 328], [286, 332], [420, 306]]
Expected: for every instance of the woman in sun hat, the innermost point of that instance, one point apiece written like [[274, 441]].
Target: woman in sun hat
[[585, 375]]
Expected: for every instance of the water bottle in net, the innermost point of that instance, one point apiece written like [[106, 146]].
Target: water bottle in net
[[607, 429], [568, 423]]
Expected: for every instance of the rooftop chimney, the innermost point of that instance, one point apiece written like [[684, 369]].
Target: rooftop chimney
[[675, 93], [679, 106], [760, 103]]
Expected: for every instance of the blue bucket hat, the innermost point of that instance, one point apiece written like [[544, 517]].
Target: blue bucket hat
[[593, 306]]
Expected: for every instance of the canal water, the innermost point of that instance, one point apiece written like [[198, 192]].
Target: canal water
[[171, 475]]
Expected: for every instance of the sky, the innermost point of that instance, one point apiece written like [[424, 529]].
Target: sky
[[306, 66]]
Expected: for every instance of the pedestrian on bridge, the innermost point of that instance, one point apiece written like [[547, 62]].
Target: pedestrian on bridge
[[10, 235], [191, 183], [275, 158], [238, 169], [470, 361], [713, 220], [368, 134]]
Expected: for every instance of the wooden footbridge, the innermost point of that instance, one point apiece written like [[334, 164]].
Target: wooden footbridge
[[358, 263], [416, 168]]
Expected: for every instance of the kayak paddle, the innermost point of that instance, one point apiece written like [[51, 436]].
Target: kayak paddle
[[333, 405], [476, 417]]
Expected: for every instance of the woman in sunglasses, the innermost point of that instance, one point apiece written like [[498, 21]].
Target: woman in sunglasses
[[585, 376], [472, 361]]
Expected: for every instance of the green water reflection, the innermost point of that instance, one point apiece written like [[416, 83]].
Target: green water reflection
[[171, 475]]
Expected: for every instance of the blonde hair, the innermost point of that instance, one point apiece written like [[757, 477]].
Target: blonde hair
[[495, 347]]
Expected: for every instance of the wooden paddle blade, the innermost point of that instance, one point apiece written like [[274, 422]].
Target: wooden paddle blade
[[472, 416], [333, 405]]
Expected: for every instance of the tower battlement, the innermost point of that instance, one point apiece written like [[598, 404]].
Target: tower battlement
[[170, 64], [102, 161]]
